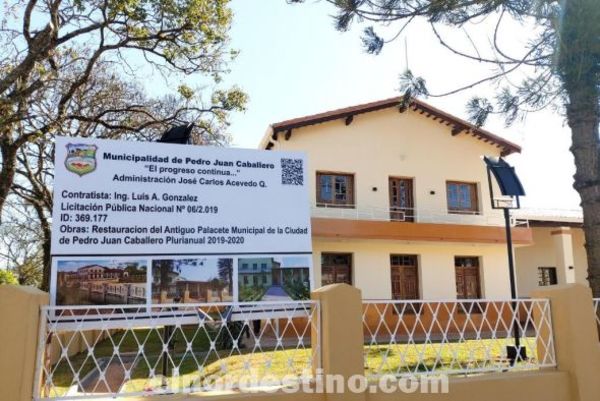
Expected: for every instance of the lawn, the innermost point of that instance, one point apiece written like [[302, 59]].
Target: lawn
[[190, 370], [447, 357]]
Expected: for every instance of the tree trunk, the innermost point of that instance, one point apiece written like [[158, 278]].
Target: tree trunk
[[577, 64], [46, 254], [583, 117], [9, 167]]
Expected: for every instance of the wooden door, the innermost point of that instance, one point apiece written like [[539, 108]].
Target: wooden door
[[401, 199], [468, 284], [336, 268], [405, 277]]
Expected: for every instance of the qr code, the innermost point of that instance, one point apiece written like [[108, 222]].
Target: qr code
[[292, 172]]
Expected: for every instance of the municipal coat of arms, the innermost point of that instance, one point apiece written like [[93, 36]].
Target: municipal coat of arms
[[81, 158]]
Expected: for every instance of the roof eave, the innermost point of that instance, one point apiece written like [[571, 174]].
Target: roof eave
[[459, 125]]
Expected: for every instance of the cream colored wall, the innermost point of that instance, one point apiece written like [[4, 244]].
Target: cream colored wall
[[580, 256], [543, 253], [371, 266], [387, 143], [529, 258]]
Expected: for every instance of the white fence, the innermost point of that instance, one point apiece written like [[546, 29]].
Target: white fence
[[114, 351], [406, 338]]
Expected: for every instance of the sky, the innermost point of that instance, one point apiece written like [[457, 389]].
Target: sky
[[206, 271], [293, 62]]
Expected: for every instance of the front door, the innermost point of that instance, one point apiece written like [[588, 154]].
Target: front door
[[467, 278], [276, 276], [405, 277], [401, 199]]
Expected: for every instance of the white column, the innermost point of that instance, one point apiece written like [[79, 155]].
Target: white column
[[563, 250]]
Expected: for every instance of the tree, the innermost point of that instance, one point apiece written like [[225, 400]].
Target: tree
[[50, 51], [20, 243], [7, 277], [560, 65], [73, 69], [225, 267]]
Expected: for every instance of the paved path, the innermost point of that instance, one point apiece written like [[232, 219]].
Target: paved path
[[275, 293]]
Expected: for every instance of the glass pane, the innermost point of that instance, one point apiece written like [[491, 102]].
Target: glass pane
[[326, 276], [342, 275], [453, 202], [326, 190], [465, 196], [341, 188]]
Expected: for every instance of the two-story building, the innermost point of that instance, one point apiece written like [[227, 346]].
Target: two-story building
[[400, 204]]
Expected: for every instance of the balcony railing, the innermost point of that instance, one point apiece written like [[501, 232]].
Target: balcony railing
[[417, 215]]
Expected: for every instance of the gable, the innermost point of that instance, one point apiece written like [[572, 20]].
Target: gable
[[452, 125]]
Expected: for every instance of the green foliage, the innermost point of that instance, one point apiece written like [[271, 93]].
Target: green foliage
[[30, 272], [7, 277], [372, 42], [251, 293], [479, 110], [297, 290], [563, 48], [411, 86]]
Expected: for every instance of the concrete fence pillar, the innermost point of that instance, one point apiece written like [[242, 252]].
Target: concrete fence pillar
[[341, 334], [19, 316], [575, 338]]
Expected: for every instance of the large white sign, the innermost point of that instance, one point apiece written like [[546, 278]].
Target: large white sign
[[140, 198], [149, 223]]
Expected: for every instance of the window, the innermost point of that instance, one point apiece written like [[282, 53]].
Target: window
[[462, 197], [468, 284], [547, 276], [254, 266], [244, 265], [263, 266], [336, 268], [245, 280], [335, 190]]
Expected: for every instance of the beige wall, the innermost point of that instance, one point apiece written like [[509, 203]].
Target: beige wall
[[387, 143], [544, 253], [580, 256], [371, 266]]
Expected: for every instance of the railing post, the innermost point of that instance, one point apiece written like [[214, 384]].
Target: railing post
[[575, 338], [341, 335], [20, 312]]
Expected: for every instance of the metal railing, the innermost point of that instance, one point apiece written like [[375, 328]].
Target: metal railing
[[407, 338], [113, 351], [418, 215]]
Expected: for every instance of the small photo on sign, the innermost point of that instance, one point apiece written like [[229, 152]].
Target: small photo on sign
[[274, 278], [195, 280], [101, 282]]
